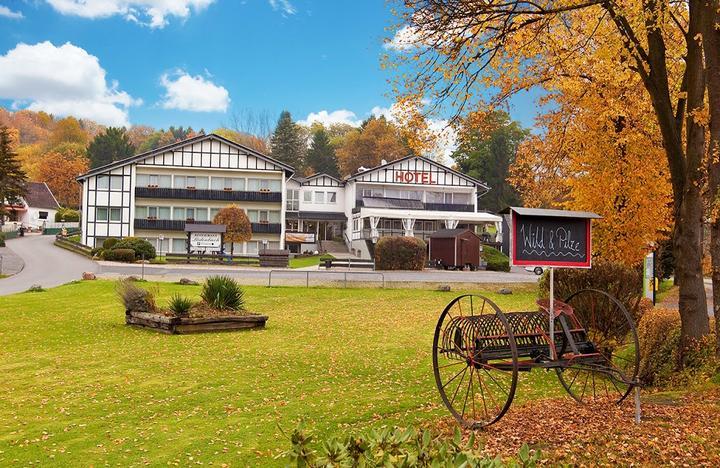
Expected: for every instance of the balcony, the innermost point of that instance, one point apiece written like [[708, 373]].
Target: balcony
[[401, 203], [205, 194], [178, 225]]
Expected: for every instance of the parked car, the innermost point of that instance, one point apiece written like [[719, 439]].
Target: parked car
[[537, 270]]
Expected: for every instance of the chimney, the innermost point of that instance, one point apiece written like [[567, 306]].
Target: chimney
[[383, 162]]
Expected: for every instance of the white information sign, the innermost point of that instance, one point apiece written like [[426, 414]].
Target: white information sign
[[206, 240]]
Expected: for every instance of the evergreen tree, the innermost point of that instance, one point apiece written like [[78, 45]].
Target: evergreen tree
[[287, 143], [110, 146], [12, 177], [321, 155], [486, 154]]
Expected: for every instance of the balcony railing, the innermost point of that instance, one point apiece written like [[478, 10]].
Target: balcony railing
[[179, 225], [205, 194], [406, 204]]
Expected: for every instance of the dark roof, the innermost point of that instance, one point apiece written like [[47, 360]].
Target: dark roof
[[316, 215], [460, 174], [178, 144], [521, 210], [213, 228], [39, 196], [450, 233]]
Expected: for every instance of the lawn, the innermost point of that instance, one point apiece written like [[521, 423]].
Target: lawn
[[312, 260], [81, 388]]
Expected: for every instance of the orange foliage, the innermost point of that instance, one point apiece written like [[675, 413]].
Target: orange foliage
[[237, 224], [368, 146], [59, 171]]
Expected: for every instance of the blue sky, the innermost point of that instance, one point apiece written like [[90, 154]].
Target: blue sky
[[198, 61]]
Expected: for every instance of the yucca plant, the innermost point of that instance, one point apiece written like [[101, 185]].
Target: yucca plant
[[223, 293], [180, 305]]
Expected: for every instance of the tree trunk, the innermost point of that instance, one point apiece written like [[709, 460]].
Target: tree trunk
[[711, 46]]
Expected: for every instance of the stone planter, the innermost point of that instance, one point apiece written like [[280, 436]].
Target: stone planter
[[182, 325]]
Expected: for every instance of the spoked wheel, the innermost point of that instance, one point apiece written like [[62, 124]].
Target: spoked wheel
[[612, 338], [475, 361]]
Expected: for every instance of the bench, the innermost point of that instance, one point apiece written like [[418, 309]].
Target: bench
[[348, 263]]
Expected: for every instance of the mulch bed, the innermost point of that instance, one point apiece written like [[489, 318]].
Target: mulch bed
[[675, 430]]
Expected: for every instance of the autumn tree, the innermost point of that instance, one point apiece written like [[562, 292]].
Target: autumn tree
[[462, 48], [377, 139], [485, 151], [287, 143], [237, 225], [59, 170], [245, 139], [68, 130], [12, 178], [113, 145], [321, 155]]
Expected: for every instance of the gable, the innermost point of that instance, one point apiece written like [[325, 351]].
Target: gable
[[210, 153], [416, 170], [322, 180]]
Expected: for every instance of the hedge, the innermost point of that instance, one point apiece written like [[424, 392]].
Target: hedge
[[119, 255], [67, 215], [141, 247], [496, 260], [400, 253]]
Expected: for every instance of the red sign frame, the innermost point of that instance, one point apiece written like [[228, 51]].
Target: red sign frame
[[550, 263]]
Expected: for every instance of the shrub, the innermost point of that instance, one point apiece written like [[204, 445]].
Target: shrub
[[109, 243], [400, 253], [142, 248], [135, 298], [119, 255], [395, 447], [180, 305], [97, 252], [36, 288], [660, 352], [496, 260], [223, 293], [620, 281], [67, 215], [2, 239]]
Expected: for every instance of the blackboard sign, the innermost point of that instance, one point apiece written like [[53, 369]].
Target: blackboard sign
[[551, 238]]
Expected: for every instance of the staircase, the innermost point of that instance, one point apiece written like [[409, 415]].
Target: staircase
[[335, 248]]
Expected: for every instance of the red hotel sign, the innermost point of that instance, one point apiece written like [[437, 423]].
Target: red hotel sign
[[415, 177]]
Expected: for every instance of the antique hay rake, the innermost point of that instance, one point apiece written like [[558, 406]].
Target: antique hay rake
[[478, 352]]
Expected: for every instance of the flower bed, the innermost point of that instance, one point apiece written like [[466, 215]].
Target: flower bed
[[222, 308]]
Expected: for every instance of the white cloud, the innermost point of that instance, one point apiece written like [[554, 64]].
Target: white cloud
[[342, 116], [193, 93], [405, 38], [153, 13], [8, 13], [63, 80], [283, 6]]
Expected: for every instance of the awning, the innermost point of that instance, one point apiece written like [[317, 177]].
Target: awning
[[431, 215]]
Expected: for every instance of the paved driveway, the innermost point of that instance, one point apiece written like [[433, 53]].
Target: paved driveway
[[45, 264]]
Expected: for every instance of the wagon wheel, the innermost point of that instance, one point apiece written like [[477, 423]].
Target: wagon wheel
[[611, 329], [475, 361]]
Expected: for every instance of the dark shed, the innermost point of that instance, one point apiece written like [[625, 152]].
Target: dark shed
[[455, 248]]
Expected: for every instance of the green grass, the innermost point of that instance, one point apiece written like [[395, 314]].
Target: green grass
[[81, 388], [664, 288], [302, 262]]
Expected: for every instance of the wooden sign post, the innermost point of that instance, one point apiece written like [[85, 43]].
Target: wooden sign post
[[551, 238]]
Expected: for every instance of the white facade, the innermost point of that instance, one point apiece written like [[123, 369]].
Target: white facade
[[413, 196], [154, 194]]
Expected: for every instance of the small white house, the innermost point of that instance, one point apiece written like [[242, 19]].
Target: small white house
[[38, 207]]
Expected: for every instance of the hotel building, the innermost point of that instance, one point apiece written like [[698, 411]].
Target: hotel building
[[152, 195]]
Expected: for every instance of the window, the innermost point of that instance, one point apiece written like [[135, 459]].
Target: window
[[101, 214], [263, 216], [214, 212], [115, 214], [461, 198], [307, 197], [153, 181], [252, 247], [195, 214], [179, 246], [292, 225], [293, 200], [43, 215], [191, 182], [331, 197], [102, 182], [116, 182], [319, 197], [274, 216], [228, 183], [152, 212], [435, 197], [275, 185]]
